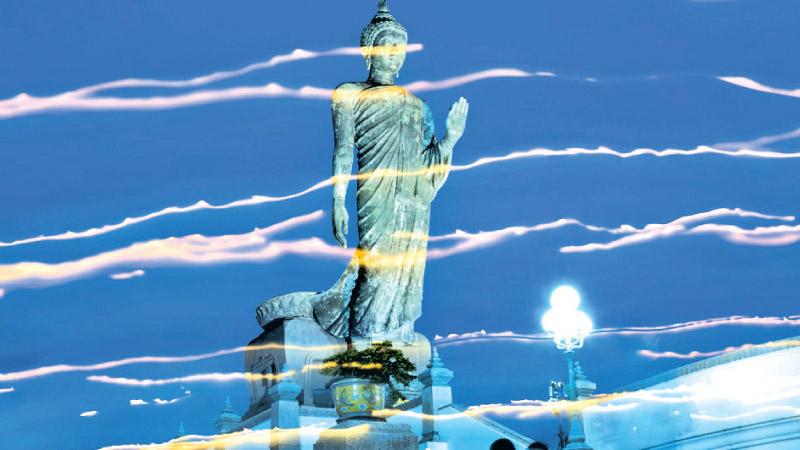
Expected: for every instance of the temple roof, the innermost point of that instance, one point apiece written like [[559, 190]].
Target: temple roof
[[726, 358]]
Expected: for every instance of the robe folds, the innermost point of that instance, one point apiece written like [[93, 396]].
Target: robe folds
[[400, 169]]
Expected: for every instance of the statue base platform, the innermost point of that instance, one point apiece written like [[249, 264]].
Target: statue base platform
[[301, 345], [367, 435]]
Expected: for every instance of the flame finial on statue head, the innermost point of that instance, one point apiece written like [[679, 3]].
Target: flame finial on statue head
[[382, 21]]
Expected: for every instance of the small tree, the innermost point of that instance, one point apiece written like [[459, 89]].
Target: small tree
[[379, 363]]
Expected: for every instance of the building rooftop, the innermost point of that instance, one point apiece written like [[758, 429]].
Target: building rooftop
[[726, 358]]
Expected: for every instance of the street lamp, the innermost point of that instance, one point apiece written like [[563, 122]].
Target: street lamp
[[569, 327]]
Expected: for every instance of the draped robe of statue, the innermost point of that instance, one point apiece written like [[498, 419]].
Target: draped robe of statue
[[400, 169]]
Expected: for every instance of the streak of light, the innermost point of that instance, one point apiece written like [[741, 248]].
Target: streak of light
[[223, 377], [763, 236], [770, 236], [682, 327], [200, 377], [761, 142], [605, 151], [748, 83], [244, 437], [24, 104], [191, 250], [295, 55], [256, 247], [201, 205], [625, 228], [787, 410], [471, 241], [263, 199], [691, 355], [698, 354], [88, 414], [439, 341], [127, 275], [161, 402], [749, 391], [64, 368]]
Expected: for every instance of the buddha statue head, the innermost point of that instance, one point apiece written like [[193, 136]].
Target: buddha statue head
[[383, 42]]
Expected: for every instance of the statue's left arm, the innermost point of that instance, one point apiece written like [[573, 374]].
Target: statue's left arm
[[439, 154]]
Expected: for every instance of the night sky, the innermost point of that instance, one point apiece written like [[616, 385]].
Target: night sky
[[626, 75]]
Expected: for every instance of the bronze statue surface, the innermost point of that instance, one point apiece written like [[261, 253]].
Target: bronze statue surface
[[401, 167]]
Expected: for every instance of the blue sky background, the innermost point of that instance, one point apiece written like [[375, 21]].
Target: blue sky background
[[656, 63]]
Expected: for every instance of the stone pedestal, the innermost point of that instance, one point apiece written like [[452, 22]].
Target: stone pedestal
[[298, 344], [357, 434]]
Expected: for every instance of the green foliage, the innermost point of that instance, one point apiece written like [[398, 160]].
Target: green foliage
[[379, 363]]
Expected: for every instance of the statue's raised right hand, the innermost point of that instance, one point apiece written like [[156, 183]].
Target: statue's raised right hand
[[457, 121], [340, 219]]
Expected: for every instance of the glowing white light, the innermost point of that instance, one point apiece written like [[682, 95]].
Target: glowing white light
[[565, 298], [567, 325]]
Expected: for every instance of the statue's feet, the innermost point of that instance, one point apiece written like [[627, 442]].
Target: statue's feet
[[296, 304]]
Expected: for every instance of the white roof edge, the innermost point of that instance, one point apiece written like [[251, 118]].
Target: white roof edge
[[726, 358], [520, 438]]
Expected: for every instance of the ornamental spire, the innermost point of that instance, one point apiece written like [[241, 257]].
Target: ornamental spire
[[436, 361], [228, 406], [227, 419], [579, 375]]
